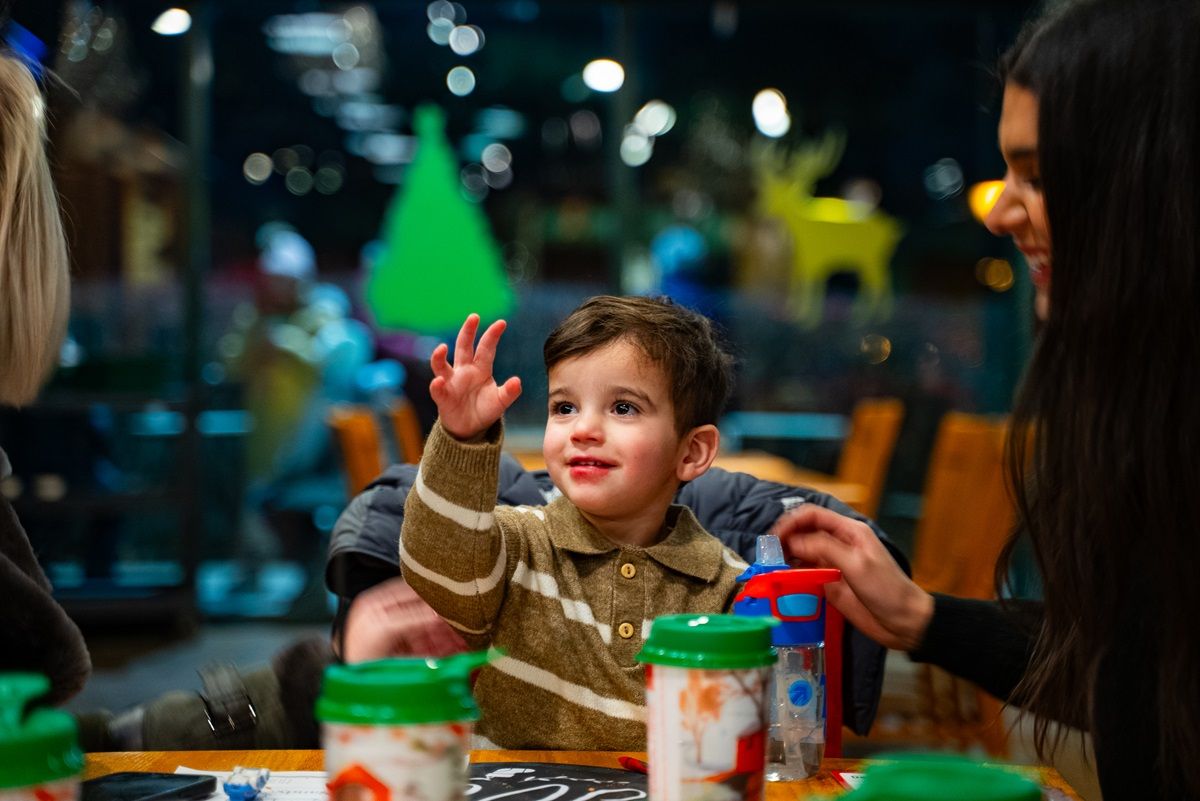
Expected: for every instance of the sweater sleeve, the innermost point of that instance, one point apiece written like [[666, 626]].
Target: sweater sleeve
[[452, 550], [981, 641]]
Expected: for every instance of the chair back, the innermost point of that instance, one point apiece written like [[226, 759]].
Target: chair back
[[867, 452], [358, 438], [967, 513], [407, 430], [967, 517]]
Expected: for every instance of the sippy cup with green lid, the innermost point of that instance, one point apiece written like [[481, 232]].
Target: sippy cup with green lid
[[40, 758], [398, 729], [706, 712]]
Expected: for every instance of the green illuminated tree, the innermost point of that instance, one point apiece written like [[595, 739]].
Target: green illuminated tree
[[439, 261]]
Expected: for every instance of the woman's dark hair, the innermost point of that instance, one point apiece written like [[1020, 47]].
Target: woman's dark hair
[[1105, 452]]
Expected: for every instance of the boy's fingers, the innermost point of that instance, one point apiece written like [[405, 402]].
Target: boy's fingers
[[509, 391], [437, 361], [485, 353], [464, 346], [437, 389]]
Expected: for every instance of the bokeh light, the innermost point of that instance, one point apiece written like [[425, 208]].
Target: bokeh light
[[982, 198], [943, 179], [440, 9], [636, 147], [299, 181], [585, 127], [496, 157], [466, 39], [460, 81], [172, 22], [995, 274], [284, 159], [257, 168], [439, 31], [604, 75], [329, 179], [498, 179], [875, 348], [771, 117], [655, 118], [345, 56], [474, 182]]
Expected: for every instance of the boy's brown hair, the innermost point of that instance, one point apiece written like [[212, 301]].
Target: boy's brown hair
[[680, 342]]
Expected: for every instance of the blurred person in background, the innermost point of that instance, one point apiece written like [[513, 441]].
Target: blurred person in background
[[1100, 130], [35, 634]]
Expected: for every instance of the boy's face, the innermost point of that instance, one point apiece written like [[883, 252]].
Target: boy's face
[[611, 444]]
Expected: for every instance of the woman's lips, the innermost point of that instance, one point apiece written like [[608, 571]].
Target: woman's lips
[[1040, 274], [1039, 269]]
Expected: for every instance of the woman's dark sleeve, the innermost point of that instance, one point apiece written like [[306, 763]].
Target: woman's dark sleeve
[[981, 641]]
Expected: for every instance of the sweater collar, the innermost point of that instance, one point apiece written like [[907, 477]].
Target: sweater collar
[[687, 548]]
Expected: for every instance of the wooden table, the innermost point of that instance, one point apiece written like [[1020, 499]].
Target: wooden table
[[100, 764]]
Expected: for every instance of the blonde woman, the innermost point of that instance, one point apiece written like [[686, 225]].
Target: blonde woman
[[35, 634]]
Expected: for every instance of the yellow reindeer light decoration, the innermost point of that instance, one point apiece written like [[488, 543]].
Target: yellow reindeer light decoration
[[828, 235]]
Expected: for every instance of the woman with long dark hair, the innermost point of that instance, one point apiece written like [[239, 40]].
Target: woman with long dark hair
[[1100, 130]]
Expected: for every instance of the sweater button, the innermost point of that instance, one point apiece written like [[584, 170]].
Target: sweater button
[[625, 630], [628, 570]]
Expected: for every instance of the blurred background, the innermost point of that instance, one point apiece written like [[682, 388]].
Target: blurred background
[[277, 208]]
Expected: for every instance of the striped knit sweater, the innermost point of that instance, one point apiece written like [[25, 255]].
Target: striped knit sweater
[[568, 608]]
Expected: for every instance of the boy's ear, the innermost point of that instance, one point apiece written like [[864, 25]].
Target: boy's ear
[[697, 451]]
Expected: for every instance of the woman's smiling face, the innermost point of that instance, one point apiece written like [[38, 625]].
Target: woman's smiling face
[[1020, 212]]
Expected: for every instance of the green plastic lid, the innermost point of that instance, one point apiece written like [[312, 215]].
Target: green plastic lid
[[36, 748], [712, 642], [913, 777], [400, 691]]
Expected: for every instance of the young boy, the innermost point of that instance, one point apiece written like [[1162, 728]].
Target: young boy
[[568, 591]]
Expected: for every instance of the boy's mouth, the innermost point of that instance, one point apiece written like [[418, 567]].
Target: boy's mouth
[[581, 461], [584, 468]]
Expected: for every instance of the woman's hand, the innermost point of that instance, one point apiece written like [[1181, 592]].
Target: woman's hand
[[468, 399], [874, 594]]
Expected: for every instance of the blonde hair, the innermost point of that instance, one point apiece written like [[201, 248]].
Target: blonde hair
[[34, 286]]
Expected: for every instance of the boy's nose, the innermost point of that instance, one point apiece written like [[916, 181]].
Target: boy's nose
[[587, 428]]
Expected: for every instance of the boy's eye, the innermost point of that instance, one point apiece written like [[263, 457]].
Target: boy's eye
[[562, 407], [624, 407]]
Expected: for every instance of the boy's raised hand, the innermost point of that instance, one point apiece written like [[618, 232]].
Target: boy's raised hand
[[466, 394]]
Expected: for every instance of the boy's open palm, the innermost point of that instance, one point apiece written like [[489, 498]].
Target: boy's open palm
[[468, 399]]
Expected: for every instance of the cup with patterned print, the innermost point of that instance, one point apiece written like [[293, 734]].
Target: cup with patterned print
[[40, 758], [398, 729], [706, 706]]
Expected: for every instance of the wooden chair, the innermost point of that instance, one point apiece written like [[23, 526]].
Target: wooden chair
[[866, 454], [406, 427], [357, 435], [967, 516]]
